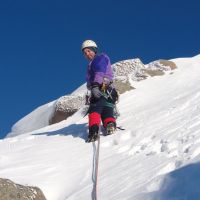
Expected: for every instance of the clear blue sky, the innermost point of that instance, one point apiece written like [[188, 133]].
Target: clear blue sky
[[40, 57]]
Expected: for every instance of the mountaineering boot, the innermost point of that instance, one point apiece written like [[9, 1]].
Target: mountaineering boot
[[93, 133], [110, 128]]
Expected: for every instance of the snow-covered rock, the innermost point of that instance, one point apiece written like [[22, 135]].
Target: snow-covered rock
[[37, 119], [128, 71], [132, 68]]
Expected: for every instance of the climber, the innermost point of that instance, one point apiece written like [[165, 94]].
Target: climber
[[103, 96]]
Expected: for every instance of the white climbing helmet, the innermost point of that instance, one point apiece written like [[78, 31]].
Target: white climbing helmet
[[88, 43]]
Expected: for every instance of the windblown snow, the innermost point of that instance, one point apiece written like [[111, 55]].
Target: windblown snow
[[156, 157]]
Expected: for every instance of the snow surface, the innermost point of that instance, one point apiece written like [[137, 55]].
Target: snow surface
[[156, 158]]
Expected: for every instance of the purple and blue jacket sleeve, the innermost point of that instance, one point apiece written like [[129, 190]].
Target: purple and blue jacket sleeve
[[98, 69]]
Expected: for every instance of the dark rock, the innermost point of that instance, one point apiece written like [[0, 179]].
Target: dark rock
[[60, 115], [122, 86], [65, 107], [158, 67], [154, 72], [168, 63], [11, 191]]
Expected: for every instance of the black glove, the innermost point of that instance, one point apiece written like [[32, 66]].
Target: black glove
[[96, 93]]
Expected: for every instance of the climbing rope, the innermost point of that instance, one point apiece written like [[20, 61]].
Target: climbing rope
[[96, 169]]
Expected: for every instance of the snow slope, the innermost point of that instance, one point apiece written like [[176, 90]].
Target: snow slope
[[156, 157]]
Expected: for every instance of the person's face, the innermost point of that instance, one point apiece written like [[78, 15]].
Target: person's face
[[89, 54]]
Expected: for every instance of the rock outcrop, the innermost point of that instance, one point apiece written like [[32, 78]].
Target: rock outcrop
[[125, 71], [11, 191], [158, 67], [66, 106]]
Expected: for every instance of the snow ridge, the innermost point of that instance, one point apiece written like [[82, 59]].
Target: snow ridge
[[155, 158]]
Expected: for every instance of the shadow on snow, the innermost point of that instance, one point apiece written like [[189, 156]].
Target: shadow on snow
[[75, 130], [181, 184]]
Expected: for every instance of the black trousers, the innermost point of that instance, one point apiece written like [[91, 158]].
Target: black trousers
[[101, 111]]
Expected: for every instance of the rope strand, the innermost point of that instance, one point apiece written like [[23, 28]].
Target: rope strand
[[97, 169], [96, 150]]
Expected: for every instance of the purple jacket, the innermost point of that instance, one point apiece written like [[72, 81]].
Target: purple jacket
[[98, 69]]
